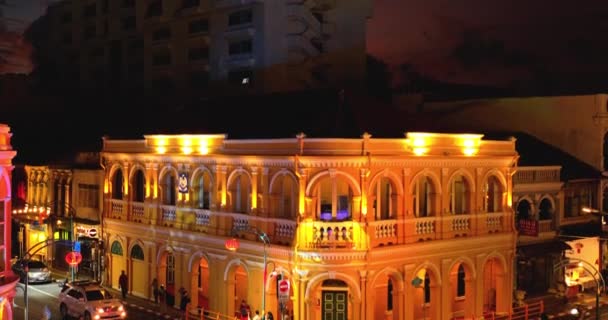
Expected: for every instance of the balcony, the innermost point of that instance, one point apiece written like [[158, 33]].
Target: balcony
[[320, 236], [529, 175]]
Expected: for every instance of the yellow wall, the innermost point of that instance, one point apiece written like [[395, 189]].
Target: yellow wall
[[139, 281]]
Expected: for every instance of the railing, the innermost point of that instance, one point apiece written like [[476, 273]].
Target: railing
[[536, 175], [168, 214], [332, 234], [525, 312], [202, 314], [546, 226], [117, 209], [384, 232], [137, 211]]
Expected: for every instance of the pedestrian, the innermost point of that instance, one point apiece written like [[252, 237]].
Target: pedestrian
[[155, 290], [269, 316], [123, 283], [244, 310], [257, 315], [184, 301], [162, 296]]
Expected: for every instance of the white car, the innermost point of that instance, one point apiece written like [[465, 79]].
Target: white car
[[89, 300]]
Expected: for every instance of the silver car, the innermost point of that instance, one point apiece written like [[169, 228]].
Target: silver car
[[90, 301], [38, 272]]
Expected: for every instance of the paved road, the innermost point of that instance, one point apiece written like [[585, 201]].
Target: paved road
[[41, 295]]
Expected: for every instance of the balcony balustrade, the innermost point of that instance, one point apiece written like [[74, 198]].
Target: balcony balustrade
[[316, 235]]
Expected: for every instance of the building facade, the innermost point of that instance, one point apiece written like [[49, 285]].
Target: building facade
[[63, 203], [183, 45], [8, 280], [410, 228]]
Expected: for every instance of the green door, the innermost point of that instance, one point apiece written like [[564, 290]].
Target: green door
[[335, 305]]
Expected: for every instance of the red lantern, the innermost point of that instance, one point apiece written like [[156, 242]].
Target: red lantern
[[73, 258], [232, 244]]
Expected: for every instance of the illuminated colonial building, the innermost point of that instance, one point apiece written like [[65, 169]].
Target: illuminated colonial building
[[366, 228], [8, 280], [182, 45]]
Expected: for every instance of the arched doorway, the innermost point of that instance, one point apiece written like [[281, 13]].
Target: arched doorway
[[118, 262], [494, 287], [166, 275], [200, 283], [138, 274], [387, 301], [462, 291], [426, 300], [238, 288]]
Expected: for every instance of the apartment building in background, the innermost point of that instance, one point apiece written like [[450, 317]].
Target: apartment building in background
[[190, 46]]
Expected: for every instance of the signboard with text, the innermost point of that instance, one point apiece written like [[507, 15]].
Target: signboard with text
[[528, 227]]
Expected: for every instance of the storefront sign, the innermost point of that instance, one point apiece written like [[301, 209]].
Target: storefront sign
[[528, 227], [86, 231]]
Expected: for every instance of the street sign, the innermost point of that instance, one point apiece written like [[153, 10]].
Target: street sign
[[284, 288], [73, 258], [77, 246]]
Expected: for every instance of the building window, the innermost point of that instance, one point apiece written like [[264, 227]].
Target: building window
[[161, 34], [240, 17], [427, 288], [128, 3], [155, 9], [137, 253], [458, 195], [492, 191], [139, 190], [66, 17], [460, 291], [190, 3], [90, 10], [169, 190], [545, 210], [241, 77], [423, 197], [523, 210], [198, 26], [129, 23], [202, 187], [196, 54], [240, 47], [170, 275], [335, 198], [161, 59], [198, 80], [117, 188], [389, 296], [89, 32], [88, 195], [67, 38], [116, 248], [385, 202]]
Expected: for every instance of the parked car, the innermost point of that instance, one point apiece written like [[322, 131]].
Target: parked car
[[38, 272], [89, 300]]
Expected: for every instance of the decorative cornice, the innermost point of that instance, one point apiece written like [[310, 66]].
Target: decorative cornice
[[217, 256]]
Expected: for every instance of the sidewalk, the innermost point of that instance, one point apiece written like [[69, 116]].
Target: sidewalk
[[133, 302]]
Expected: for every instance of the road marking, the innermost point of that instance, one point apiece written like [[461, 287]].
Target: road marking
[[43, 292]]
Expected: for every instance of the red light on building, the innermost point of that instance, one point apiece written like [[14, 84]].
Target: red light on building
[[232, 244], [73, 258]]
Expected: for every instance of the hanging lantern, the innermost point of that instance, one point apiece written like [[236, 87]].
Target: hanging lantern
[[232, 244]]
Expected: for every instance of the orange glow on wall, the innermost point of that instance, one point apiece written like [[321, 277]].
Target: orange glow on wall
[[418, 142], [147, 188], [106, 186], [223, 199], [469, 143], [203, 146], [155, 189]]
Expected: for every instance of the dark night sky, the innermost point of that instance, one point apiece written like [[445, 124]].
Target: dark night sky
[[495, 42]]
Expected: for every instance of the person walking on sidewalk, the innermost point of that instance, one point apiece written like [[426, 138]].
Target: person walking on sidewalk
[[123, 283], [155, 290], [184, 301], [162, 296]]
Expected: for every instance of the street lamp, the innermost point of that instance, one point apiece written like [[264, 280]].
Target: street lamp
[[233, 244]]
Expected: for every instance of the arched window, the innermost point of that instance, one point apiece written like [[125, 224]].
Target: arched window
[[423, 197], [459, 192], [202, 190], [117, 188], [523, 210], [284, 196], [240, 191], [492, 190], [545, 210], [116, 248], [389, 296], [385, 203], [169, 189], [139, 190], [334, 199], [137, 253], [427, 288], [460, 291]]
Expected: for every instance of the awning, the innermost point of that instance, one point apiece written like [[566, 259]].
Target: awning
[[543, 248], [589, 229]]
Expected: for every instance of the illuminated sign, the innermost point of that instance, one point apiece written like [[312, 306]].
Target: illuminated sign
[[182, 183], [528, 227], [84, 231]]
